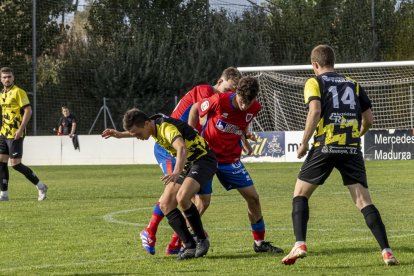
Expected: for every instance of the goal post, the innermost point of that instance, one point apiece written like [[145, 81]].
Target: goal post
[[388, 84]]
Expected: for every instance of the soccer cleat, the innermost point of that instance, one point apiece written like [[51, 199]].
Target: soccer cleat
[[42, 193], [202, 248], [266, 247], [4, 198], [148, 242], [389, 258], [186, 253], [297, 252]]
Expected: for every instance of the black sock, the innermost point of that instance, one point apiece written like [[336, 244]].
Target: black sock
[[193, 217], [177, 222], [300, 217], [4, 177], [26, 171], [373, 219]]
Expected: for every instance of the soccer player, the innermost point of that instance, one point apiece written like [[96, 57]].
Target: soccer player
[[16, 112], [226, 83], [228, 117], [195, 167], [339, 114]]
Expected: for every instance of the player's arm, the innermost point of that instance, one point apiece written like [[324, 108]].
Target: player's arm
[[110, 132], [367, 121], [60, 129], [181, 158], [312, 119], [25, 120], [73, 130]]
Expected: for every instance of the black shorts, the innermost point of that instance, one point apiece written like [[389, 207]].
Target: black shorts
[[12, 148], [320, 162], [201, 170]]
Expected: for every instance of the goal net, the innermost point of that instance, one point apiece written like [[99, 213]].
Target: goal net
[[389, 85]]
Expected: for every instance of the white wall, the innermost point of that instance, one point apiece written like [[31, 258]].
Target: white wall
[[94, 150]]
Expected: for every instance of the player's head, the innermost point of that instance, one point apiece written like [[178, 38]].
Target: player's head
[[7, 77], [322, 56], [228, 80], [65, 111], [247, 90], [137, 123]]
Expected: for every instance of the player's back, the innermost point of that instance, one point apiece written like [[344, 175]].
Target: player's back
[[196, 94], [341, 110]]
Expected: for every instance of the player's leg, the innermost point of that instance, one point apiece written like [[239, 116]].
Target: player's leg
[[149, 234], [235, 176], [354, 177], [316, 168], [198, 177], [16, 153], [176, 220], [362, 200], [4, 170]]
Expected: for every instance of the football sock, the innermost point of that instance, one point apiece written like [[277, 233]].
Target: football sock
[[4, 177], [258, 231], [300, 217], [193, 217], [375, 224], [177, 222], [27, 172], [175, 240], [156, 217]]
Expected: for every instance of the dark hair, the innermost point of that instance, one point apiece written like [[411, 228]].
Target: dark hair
[[231, 73], [248, 88], [134, 117], [6, 70], [324, 55]]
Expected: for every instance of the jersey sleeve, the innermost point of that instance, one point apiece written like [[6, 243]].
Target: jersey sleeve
[[169, 132], [364, 101], [311, 90], [206, 105], [22, 98]]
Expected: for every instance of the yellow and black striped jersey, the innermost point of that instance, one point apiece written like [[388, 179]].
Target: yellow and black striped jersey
[[343, 101], [168, 129], [12, 103]]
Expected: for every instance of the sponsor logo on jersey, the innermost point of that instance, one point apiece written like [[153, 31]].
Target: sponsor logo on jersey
[[204, 105], [228, 128], [249, 116]]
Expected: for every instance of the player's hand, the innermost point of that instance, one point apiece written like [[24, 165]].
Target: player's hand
[[302, 150], [18, 134], [109, 132], [170, 178], [251, 136]]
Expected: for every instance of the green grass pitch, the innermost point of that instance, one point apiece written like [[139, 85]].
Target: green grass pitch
[[90, 222]]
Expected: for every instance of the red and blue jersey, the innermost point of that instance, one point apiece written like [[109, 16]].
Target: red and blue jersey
[[182, 110], [225, 125]]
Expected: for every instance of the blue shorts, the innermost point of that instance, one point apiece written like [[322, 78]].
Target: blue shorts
[[233, 176], [167, 164]]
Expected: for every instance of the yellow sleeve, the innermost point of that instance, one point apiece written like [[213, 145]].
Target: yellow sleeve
[[169, 132], [311, 90], [22, 98]]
